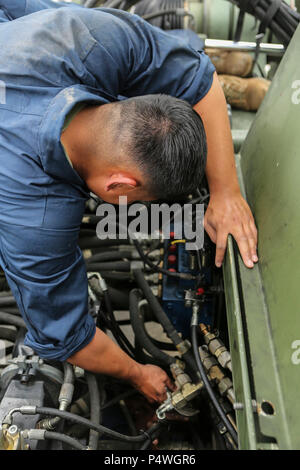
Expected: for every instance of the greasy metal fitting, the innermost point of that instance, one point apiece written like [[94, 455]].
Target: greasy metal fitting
[[216, 347], [180, 377], [180, 400], [183, 347], [11, 438], [216, 374]]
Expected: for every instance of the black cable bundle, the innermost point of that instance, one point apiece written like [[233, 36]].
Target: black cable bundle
[[276, 15], [161, 13], [119, 4]]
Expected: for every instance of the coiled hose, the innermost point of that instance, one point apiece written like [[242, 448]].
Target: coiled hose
[[137, 323], [163, 319]]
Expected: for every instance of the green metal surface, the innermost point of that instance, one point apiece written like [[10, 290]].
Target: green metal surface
[[265, 342]]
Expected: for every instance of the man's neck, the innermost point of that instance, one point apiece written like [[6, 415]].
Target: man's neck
[[77, 139]]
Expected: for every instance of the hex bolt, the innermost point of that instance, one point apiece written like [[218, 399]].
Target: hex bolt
[[13, 430], [238, 406]]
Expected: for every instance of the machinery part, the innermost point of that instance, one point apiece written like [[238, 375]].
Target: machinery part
[[29, 365], [36, 410], [215, 373], [137, 322], [276, 50], [18, 394], [65, 397], [276, 15], [121, 266], [95, 407], [216, 347], [175, 291], [156, 430], [9, 319], [164, 321], [91, 3], [153, 266], [165, 407], [166, 14], [7, 301], [180, 400], [194, 331], [175, 11], [11, 438], [156, 307], [42, 434], [113, 325]]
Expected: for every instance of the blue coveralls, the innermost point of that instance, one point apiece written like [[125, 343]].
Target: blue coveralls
[[52, 57]]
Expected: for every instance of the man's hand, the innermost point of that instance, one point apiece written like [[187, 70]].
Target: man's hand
[[229, 213], [103, 356], [152, 382]]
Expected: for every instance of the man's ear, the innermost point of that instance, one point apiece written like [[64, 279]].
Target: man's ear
[[120, 181]]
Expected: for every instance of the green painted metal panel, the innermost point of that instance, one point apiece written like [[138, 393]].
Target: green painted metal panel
[[269, 295]]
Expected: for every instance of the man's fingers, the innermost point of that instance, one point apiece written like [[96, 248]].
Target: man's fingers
[[246, 245], [221, 247], [170, 385], [246, 239], [254, 238], [251, 243]]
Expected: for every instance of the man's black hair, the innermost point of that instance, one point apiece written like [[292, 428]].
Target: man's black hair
[[167, 141]]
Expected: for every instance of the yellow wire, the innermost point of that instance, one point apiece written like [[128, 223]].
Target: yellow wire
[[177, 241]]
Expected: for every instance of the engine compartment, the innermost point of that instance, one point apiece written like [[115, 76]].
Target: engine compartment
[[136, 299]]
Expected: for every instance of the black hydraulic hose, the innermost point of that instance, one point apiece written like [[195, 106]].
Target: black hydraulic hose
[[7, 301], [8, 334], [120, 266], [156, 429], [162, 317], [162, 345], [89, 252], [11, 319], [114, 276], [156, 307], [95, 242], [12, 310], [174, 11], [109, 256], [91, 3], [95, 408], [56, 436], [219, 410], [284, 22], [87, 423], [116, 330], [137, 323], [119, 299], [86, 232], [143, 358]]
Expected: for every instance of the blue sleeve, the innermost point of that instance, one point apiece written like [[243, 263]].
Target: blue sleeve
[[47, 275], [141, 59], [17, 8]]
